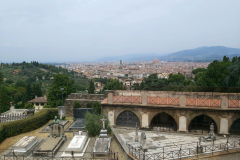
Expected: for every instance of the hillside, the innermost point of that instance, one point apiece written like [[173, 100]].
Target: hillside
[[35, 73], [197, 54]]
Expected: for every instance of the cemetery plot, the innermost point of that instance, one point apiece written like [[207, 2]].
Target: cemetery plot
[[78, 125], [158, 143], [65, 123], [77, 146], [24, 144]]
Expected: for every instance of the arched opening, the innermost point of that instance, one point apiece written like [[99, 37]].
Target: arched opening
[[164, 121], [235, 127], [201, 124], [127, 119]]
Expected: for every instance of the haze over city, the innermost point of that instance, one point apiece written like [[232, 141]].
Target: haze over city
[[85, 30]]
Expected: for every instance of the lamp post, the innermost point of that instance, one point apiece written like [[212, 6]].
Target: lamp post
[[62, 89]]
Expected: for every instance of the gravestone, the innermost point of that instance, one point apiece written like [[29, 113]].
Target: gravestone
[[24, 144], [77, 145], [143, 142], [79, 113], [78, 125], [61, 111], [55, 139], [102, 144], [103, 132]]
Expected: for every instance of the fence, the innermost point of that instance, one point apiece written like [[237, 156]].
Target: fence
[[9, 154], [11, 117], [196, 151]]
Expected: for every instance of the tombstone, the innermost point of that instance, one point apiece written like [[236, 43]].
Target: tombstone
[[103, 132], [102, 144], [61, 111], [77, 146], [136, 134], [78, 125], [24, 144], [55, 139], [143, 144], [79, 113]]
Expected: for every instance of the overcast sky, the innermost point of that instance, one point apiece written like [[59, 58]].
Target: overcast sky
[[84, 30]]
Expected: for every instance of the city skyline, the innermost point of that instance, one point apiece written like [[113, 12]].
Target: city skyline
[[60, 31]]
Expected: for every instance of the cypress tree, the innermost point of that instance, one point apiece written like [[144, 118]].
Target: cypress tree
[[91, 87]]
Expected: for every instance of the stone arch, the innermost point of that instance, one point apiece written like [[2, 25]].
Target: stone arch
[[128, 118], [163, 120], [234, 129], [201, 122]]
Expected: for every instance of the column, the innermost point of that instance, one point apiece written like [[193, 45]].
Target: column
[[223, 126], [182, 124], [145, 123]]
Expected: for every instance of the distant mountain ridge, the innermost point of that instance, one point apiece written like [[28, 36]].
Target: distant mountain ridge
[[196, 54]]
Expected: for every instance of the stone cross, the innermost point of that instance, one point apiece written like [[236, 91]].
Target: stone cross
[[103, 120], [61, 115]]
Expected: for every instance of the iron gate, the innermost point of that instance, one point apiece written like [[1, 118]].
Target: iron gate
[[127, 119]]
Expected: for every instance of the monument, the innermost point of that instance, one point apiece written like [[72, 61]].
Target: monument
[[136, 133], [102, 144], [24, 144], [211, 136], [55, 139], [143, 144]]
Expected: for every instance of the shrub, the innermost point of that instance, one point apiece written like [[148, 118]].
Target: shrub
[[26, 125], [46, 106], [77, 104], [29, 106], [96, 106], [94, 124]]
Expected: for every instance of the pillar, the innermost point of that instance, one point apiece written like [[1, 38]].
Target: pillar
[[145, 123], [224, 102], [144, 98], [223, 126], [110, 98], [111, 117], [182, 124], [182, 101]]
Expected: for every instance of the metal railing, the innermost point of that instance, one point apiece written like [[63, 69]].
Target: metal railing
[[10, 154], [195, 151]]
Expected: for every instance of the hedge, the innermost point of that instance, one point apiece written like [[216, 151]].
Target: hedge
[[28, 124]]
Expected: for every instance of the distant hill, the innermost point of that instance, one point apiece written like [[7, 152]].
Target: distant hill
[[197, 54]]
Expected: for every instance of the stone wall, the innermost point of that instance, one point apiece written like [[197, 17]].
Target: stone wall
[[83, 99]]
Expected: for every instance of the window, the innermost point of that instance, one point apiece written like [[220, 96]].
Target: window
[[37, 104], [42, 104]]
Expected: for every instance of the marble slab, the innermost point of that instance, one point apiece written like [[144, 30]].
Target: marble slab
[[24, 144]]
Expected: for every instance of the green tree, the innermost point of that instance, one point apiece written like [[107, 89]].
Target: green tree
[[1, 78], [77, 104], [29, 106], [91, 87], [96, 106], [55, 94], [176, 78], [233, 79], [195, 71], [114, 84], [94, 124], [4, 99]]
